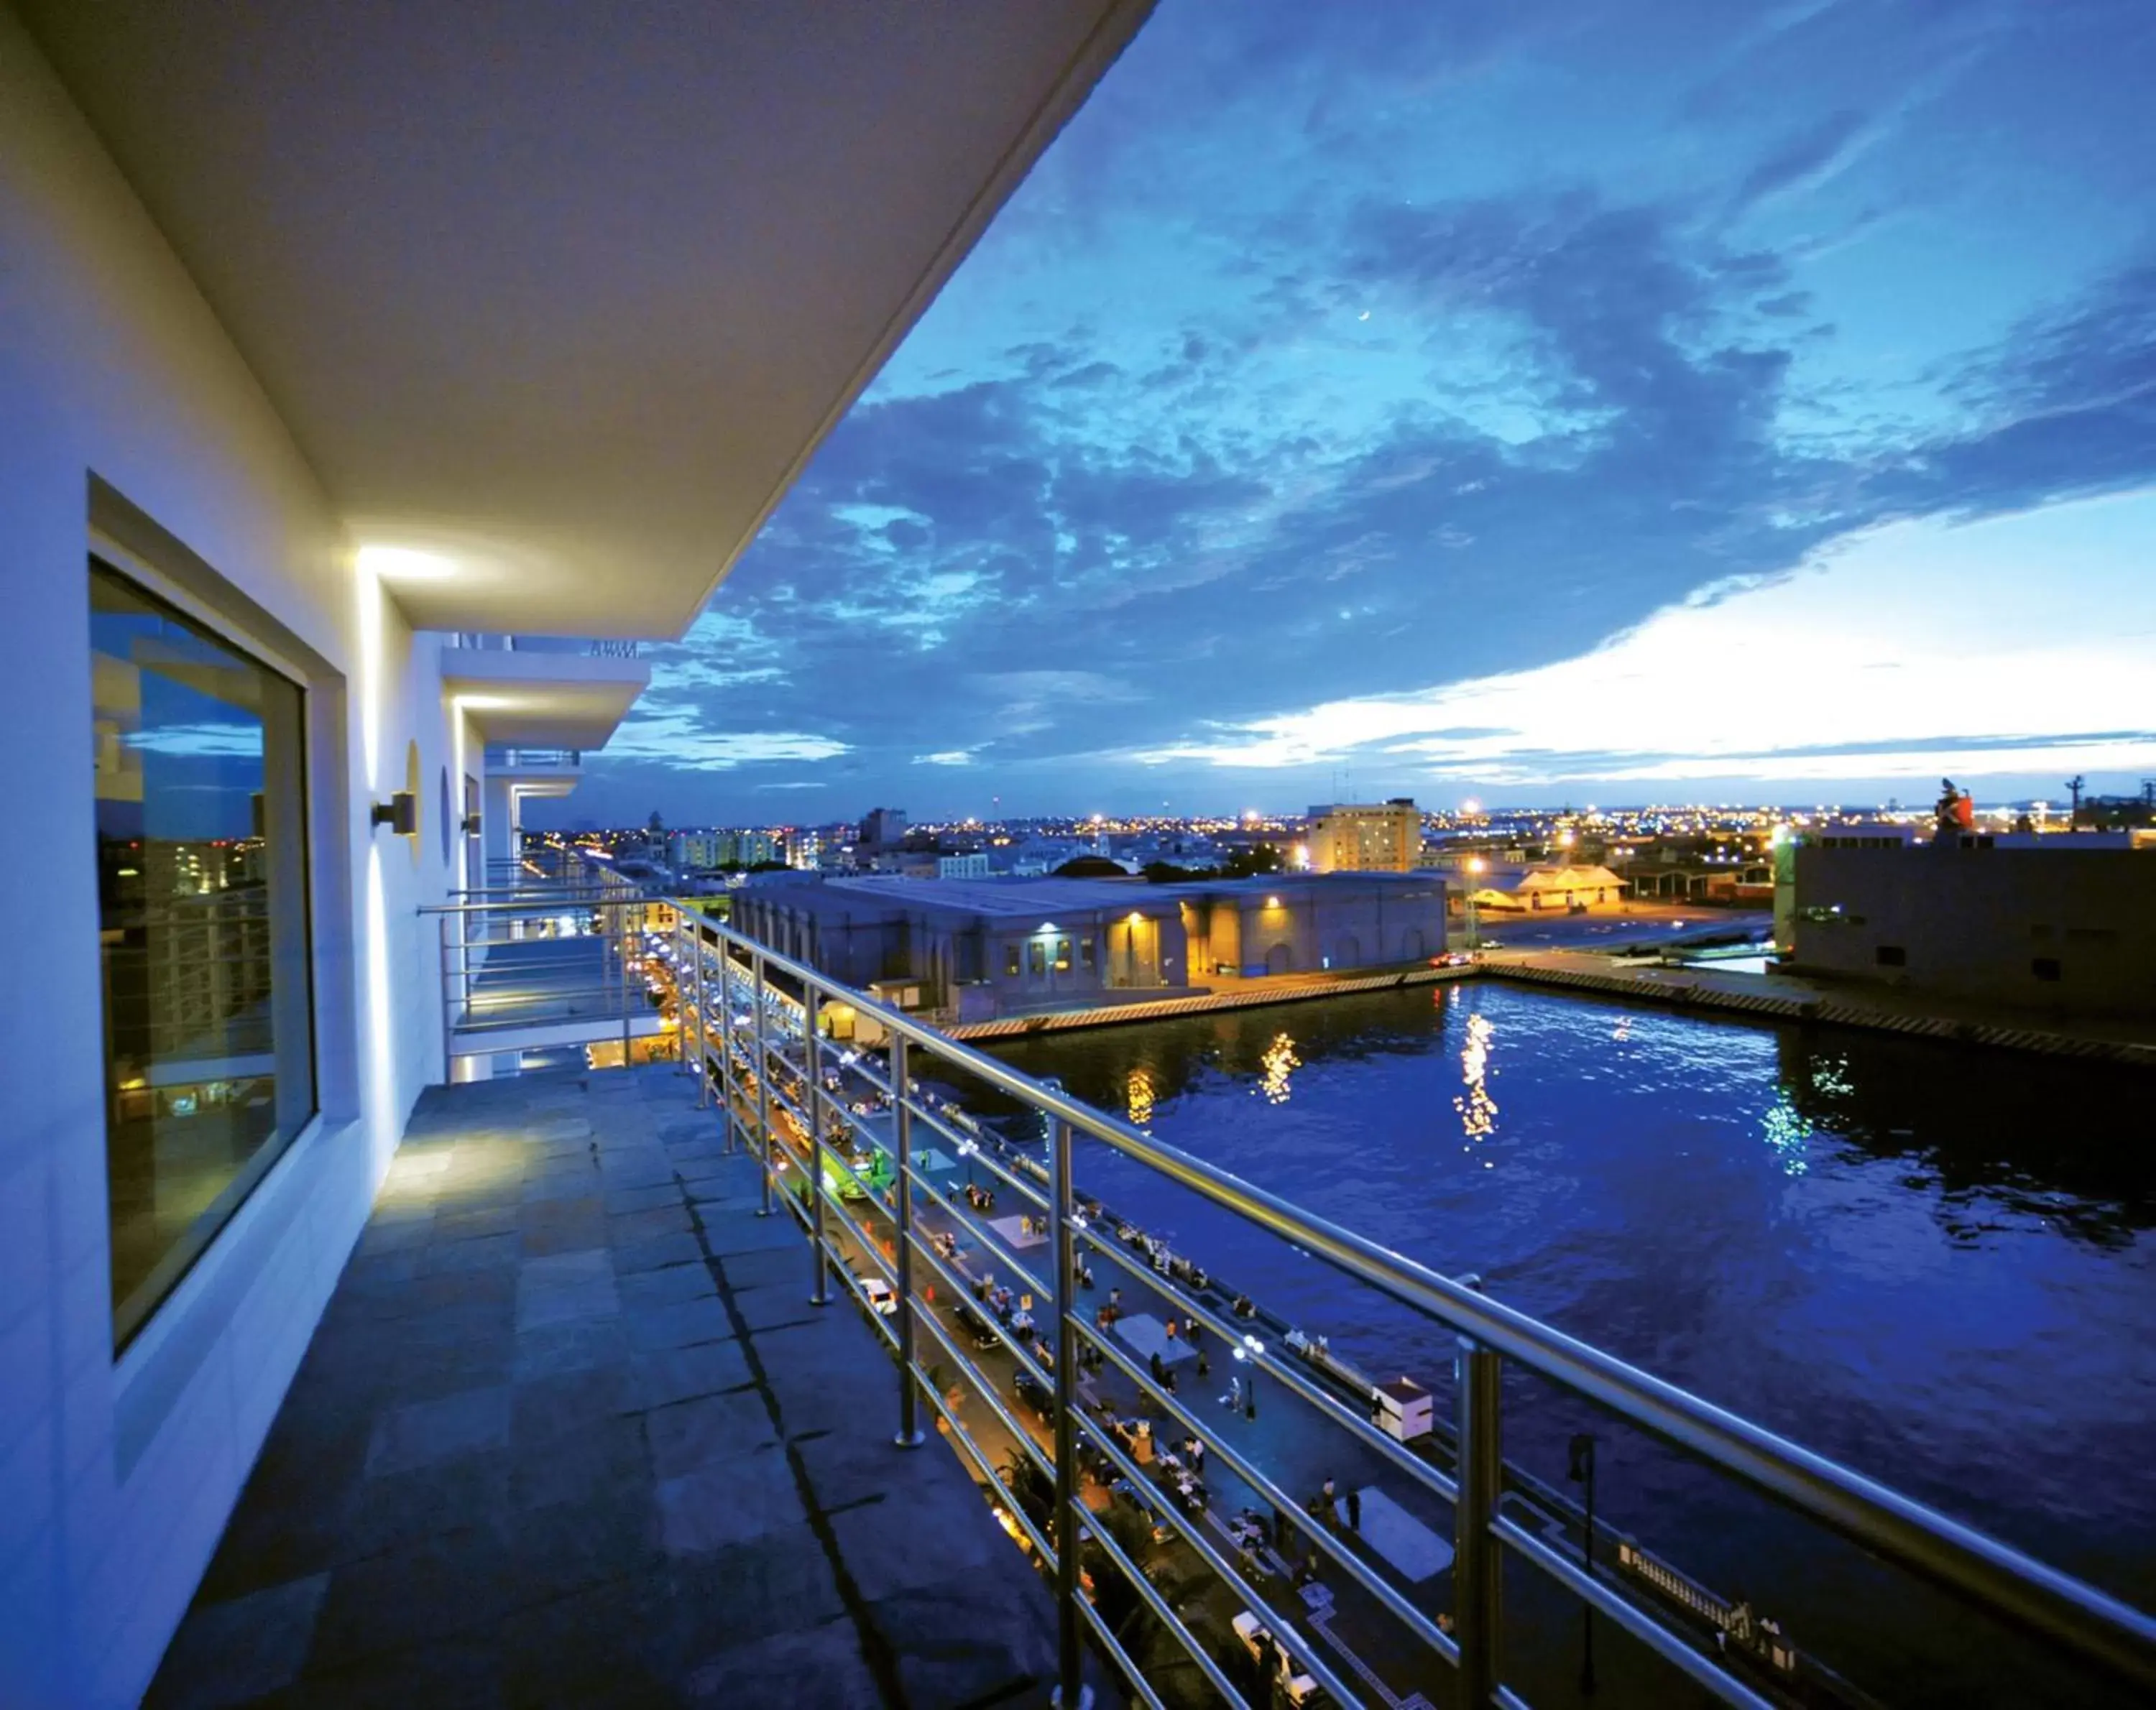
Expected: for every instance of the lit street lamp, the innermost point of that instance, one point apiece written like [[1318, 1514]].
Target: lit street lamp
[[1248, 1353]]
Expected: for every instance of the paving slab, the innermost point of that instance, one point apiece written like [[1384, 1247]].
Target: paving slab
[[570, 1432]]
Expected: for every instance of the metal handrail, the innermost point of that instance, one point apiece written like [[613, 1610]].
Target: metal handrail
[[2083, 1620], [474, 1018]]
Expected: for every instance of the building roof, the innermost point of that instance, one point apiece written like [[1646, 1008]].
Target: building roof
[[1568, 878], [1036, 899]]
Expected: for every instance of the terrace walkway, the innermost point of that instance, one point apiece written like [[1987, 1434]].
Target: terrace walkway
[[569, 1433]]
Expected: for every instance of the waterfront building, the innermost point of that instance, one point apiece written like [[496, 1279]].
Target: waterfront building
[[974, 949], [2064, 923], [977, 948], [315, 489], [972, 866], [1371, 837], [1537, 889], [1313, 923]]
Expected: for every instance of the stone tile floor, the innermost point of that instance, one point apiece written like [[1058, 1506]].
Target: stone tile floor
[[570, 1434]]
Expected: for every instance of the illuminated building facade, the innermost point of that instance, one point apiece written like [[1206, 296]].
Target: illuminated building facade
[[1382, 836], [977, 948]]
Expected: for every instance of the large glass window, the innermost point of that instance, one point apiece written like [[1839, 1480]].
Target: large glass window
[[202, 885]]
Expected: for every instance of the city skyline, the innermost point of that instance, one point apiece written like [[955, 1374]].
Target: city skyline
[[1528, 404]]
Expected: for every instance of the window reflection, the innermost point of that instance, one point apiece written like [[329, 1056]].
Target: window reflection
[[201, 881]]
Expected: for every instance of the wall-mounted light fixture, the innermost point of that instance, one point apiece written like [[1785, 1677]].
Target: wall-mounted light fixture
[[400, 813], [471, 824]]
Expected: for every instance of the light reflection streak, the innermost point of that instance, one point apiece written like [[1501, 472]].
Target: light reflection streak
[[1785, 1130], [1138, 1098], [1279, 1062], [1478, 1110]]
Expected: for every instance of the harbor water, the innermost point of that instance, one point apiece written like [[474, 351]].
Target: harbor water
[[1930, 1263]]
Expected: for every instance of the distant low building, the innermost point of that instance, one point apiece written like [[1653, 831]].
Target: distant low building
[[2064, 923], [980, 948], [1567, 887], [972, 866], [1315, 923], [1366, 837], [884, 829]]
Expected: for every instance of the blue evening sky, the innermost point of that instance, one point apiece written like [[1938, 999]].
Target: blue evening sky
[[1621, 403]]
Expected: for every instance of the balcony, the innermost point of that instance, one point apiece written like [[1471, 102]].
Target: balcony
[[570, 1432], [534, 765], [544, 692], [978, 1223], [568, 645]]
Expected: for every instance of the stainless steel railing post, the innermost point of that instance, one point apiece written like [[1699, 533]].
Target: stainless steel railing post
[[442, 937], [621, 942], [680, 997], [761, 1141], [818, 1184], [729, 1091], [703, 1015], [909, 1428], [1070, 1656], [1478, 1566]]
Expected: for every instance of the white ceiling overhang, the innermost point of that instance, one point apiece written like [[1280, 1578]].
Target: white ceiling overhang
[[559, 298], [540, 699]]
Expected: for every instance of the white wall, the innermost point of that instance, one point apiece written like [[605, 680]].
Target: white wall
[[116, 1479]]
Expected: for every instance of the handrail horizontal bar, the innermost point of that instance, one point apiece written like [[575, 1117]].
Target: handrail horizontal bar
[[1262, 1483], [980, 1462], [1150, 1595], [597, 902], [1991, 1573], [1285, 1632], [1663, 1641], [1285, 1373]]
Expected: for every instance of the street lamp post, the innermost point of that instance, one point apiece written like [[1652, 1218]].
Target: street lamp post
[[1582, 1472], [1248, 1353]]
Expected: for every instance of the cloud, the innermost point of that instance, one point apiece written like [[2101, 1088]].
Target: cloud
[[1806, 160], [199, 741], [677, 738], [1774, 683], [1297, 379]]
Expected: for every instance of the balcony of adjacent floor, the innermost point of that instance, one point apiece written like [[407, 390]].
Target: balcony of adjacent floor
[[569, 1432], [544, 693]]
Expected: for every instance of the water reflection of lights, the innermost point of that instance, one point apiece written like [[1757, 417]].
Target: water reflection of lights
[[1830, 1077], [1478, 1110], [1279, 1062], [1785, 1130], [1138, 1098]]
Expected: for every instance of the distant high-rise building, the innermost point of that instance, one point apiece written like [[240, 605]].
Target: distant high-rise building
[[884, 829], [1366, 837]]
